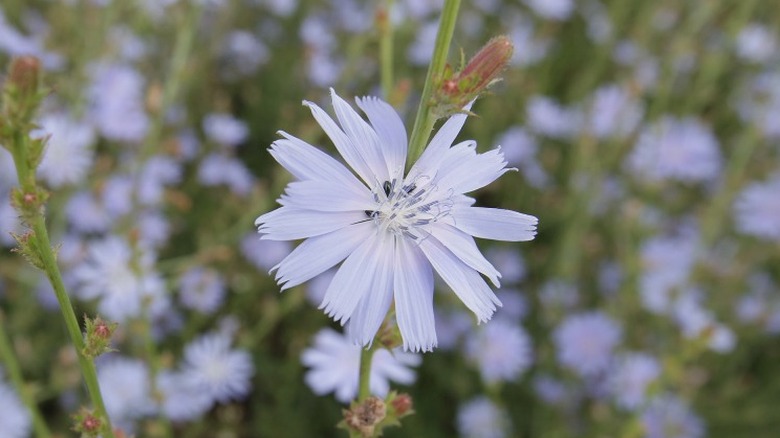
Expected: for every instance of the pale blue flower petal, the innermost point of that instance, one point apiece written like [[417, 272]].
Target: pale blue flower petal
[[289, 223], [363, 137], [373, 306], [353, 280], [463, 247], [325, 196], [318, 254], [495, 223], [343, 144], [464, 281], [445, 136], [390, 130], [306, 162], [413, 282], [468, 175]]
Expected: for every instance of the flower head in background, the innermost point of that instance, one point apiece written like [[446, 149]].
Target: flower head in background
[[14, 421], [211, 366], [757, 209], [335, 363], [502, 350], [667, 416], [481, 418], [126, 390], [390, 230], [585, 342]]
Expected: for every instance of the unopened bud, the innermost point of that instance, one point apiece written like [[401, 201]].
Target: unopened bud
[[402, 404], [86, 423], [456, 89], [25, 74], [98, 336]]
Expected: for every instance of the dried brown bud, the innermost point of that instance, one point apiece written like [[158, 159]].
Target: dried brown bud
[[366, 416]]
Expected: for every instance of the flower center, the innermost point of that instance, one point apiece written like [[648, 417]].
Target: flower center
[[405, 209]]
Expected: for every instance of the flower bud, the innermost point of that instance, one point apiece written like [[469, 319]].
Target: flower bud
[[98, 336], [87, 423], [25, 74], [402, 404], [456, 89], [364, 417]]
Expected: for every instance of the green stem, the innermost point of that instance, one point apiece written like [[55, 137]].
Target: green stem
[[423, 123], [37, 222], [364, 382], [15, 374], [386, 50], [72, 324]]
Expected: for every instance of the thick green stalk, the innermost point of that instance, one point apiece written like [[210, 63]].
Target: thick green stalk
[[364, 382], [423, 123], [11, 365]]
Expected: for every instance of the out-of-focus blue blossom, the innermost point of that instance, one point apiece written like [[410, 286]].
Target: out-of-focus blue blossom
[[242, 54], [264, 253], [334, 363], [668, 416], [612, 113], [69, 150], [501, 349], [757, 209], [552, 391], [667, 261], [124, 282], [15, 43], [584, 342], [117, 195], [15, 420], [158, 171], [225, 129], [520, 149], [756, 43], [557, 10], [559, 294], [85, 213], [418, 9], [629, 380], [421, 50], [600, 27], [283, 8], [683, 150], [514, 304], [509, 262], [131, 48], [214, 368], [451, 326], [9, 220], [610, 277], [153, 227], [522, 32], [217, 169], [316, 288], [201, 289], [547, 117], [697, 322], [324, 68], [126, 389], [481, 418], [116, 98], [180, 399]]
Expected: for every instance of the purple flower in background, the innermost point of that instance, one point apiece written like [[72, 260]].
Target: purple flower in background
[[668, 416], [224, 129], [390, 230], [15, 420], [202, 290], [684, 150], [629, 380], [211, 366], [585, 341], [68, 153], [502, 350], [126, 389], [481, 418], [117, 103], [757, 209], [334, 363], [216, 169]]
